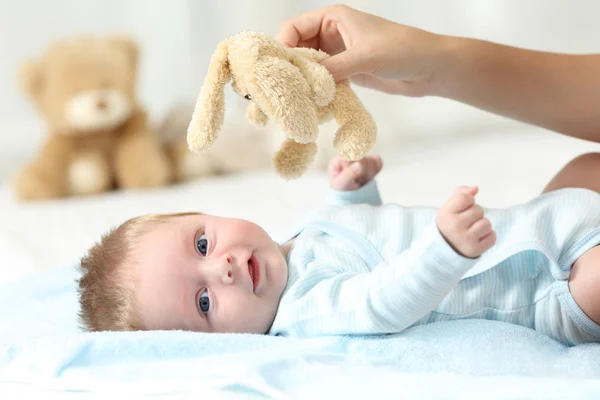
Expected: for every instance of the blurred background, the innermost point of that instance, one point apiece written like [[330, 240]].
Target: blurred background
[[177, 38]]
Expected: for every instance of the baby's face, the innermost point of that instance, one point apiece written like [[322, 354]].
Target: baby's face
[[208, 274]]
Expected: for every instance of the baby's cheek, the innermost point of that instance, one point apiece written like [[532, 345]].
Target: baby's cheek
[[244, 314], [253, 233]]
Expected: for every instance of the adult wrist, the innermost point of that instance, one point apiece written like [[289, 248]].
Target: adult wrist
[[449, 61]]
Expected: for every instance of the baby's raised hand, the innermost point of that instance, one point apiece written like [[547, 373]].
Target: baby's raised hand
[[351, 175], [462, 223]]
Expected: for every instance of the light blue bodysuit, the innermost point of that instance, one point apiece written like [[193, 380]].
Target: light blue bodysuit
[[360, 267]]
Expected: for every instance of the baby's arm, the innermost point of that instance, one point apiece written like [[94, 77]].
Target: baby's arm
[[354, 182], [392, 297], [400, 291]]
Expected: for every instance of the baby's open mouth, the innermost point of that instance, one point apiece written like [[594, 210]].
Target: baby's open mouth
[[254, 271]]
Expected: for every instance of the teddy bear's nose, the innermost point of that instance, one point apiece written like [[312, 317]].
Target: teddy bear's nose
[[101, 104]]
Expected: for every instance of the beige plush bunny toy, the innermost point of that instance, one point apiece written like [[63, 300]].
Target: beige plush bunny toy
[[288, 85]]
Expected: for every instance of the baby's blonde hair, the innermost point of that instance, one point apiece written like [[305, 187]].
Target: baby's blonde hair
[[106, 290]]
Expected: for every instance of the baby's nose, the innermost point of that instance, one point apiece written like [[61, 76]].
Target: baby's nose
[[226, 270]]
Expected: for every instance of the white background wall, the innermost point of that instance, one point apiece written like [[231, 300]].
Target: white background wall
[[177, 38]]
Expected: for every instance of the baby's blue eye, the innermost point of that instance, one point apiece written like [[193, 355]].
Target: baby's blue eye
[[204, 302], [202, 244]]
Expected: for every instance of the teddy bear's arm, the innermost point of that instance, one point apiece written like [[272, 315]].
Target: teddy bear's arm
[[140, 160], [46, 176], [357, 132]]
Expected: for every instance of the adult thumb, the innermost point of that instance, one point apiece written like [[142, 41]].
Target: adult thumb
[[343, 65]]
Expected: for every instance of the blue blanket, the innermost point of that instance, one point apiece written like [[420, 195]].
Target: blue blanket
[[41, 342]]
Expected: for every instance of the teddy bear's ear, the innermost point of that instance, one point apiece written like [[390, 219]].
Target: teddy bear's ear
[[128, 45], [30, 77], [209, 111]]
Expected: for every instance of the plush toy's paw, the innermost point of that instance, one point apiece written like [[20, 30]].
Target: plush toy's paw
[[89, 174], [357, 132], [256, 115], [33, 183], [293, 159], [353, 141]]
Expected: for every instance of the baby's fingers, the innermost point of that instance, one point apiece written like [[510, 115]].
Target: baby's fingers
[[462, 198], [481, 229], [471, 215], [487, 241], [374, 165], [336, 165], [368, 167]]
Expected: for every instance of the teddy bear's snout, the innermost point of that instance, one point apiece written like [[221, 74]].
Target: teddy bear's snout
[[101, 104], [97, 109]]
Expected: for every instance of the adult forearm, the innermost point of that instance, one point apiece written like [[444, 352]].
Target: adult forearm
[[560, 92]]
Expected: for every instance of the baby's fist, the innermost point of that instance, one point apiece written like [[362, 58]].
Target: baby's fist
[[351, 175], [463, 224]]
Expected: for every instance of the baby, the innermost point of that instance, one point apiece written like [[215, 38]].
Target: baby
[[355, 266]]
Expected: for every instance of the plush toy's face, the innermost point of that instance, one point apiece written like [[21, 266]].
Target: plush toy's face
[[241, 89], [85, 85]]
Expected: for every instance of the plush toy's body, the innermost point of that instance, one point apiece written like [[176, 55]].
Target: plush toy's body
[[99, 137], [288, 85]]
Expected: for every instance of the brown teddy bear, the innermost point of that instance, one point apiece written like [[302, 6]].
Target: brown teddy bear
[[99, 137]]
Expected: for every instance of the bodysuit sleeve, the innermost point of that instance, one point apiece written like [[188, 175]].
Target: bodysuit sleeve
[[390, 298], [368, 194]]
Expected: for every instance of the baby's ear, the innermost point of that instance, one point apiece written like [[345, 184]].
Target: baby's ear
[[31, 77]]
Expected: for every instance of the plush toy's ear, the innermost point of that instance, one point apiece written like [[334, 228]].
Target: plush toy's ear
[[209, 111], [31, 78], [285, 95]]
